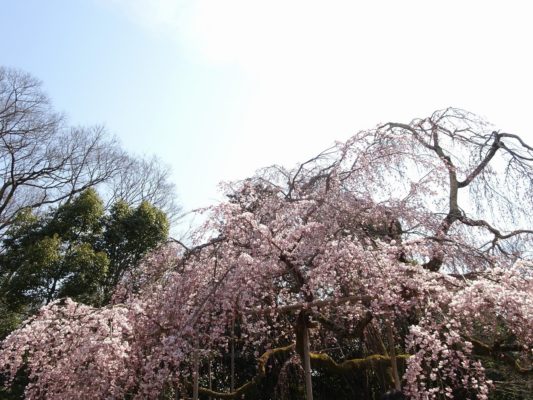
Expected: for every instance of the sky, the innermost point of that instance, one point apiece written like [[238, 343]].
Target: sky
[[218, 89]]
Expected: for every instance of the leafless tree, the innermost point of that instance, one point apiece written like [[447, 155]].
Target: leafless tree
[[144, 179], [43, 161]]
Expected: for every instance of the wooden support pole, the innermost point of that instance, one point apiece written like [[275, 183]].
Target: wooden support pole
[[210, 374], [307, 365], [196, 372], [232, 361], [393, 361]]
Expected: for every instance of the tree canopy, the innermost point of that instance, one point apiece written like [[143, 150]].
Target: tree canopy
[[45, 162], [397, 260], [75, 250]]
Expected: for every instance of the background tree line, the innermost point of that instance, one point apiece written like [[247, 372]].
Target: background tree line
[[76, 210]]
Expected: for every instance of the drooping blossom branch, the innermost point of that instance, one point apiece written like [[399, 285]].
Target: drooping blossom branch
[[408, 242]]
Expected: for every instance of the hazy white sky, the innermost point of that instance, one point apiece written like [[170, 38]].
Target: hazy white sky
[[220, 88]]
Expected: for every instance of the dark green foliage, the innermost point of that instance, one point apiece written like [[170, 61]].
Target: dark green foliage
[[76, 250], [128, 234]]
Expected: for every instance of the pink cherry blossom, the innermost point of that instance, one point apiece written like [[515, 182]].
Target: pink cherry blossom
[[421, 228]]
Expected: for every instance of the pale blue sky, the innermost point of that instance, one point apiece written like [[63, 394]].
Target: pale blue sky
[[219, 88]]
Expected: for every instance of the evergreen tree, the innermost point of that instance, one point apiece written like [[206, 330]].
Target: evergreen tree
[[75, 250]]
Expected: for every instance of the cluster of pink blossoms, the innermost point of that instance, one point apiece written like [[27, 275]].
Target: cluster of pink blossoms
[[390, 230]]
